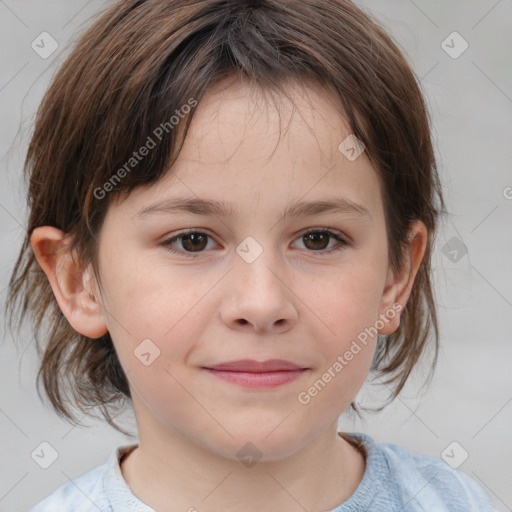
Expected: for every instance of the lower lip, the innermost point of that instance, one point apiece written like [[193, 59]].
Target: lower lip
[[258, 380]]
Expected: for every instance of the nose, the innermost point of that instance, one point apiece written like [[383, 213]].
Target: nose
[[259, 297]]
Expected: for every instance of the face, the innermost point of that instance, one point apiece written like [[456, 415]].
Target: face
[[184, 291]]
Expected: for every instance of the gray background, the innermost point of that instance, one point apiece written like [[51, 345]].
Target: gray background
[[470, 398]]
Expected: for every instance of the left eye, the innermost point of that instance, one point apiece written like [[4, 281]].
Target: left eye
[[316, 240]]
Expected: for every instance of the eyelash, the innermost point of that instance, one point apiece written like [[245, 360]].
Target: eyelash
[[342, 243]]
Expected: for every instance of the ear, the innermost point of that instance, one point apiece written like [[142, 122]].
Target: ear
[[72, 286], [399, 285]]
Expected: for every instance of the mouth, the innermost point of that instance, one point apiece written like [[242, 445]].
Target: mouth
[[252, 366], [257, 374]]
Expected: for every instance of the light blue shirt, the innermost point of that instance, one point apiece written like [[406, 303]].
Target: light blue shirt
[[395, 480]]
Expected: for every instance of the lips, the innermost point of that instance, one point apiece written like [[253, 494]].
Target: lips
[[252, 366], [248, 373]]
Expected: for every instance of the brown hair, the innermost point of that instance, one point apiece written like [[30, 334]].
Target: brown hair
[[134, 69]]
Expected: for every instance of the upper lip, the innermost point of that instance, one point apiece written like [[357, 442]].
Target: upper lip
[[250, 365]]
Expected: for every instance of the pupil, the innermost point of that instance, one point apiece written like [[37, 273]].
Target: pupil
[[194, 238], [315, 236]]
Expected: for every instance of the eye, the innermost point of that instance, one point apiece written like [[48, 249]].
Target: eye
[[193, 241], [317, 239]]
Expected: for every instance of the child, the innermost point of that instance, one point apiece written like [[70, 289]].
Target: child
[[289, 141]]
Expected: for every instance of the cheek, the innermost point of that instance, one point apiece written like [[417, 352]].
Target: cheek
[[334, 386], [347, 301], [348, 305], [149, 294], [152, 305]]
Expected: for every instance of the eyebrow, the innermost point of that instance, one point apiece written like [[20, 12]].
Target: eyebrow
[[223, 209]]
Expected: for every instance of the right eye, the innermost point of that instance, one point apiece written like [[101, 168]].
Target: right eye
[[192, 241]]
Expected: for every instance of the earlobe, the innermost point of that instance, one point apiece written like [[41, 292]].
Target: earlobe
[[399, 285], [70, 283]]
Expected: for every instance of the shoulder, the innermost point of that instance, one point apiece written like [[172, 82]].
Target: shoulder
[[440, 480], [421, 482], [84, 493]]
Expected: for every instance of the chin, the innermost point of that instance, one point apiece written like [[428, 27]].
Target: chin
[[265, 445]]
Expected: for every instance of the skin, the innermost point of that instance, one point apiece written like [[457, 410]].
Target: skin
[[295, 301]]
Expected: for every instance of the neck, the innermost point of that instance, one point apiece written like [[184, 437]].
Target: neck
[[169, 473]]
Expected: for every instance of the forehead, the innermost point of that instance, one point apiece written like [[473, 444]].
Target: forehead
[[235, 115], [254, 148]]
